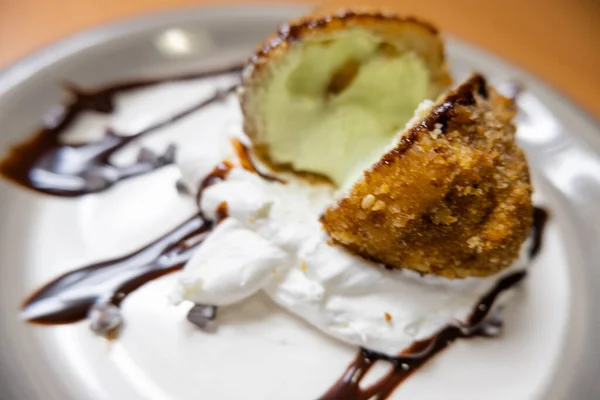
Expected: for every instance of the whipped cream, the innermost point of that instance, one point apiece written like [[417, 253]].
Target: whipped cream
[[272, 241]]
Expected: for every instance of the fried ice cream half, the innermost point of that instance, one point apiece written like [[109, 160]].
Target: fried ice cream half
[[326, 95], [451, 197]]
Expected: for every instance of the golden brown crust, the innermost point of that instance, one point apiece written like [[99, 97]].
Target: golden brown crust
[[408, 34], [453, 198]]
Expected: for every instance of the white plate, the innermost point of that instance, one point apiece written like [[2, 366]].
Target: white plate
[[547, 350]]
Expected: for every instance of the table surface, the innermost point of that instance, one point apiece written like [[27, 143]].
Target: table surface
[[558, 40]]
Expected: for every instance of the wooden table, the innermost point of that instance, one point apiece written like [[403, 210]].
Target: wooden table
[[559, 40]]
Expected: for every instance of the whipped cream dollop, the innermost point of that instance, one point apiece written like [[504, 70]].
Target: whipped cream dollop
[[272, 241]]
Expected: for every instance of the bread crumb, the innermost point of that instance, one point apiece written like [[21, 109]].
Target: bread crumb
[[442, 215], [379, 205], [476, 243], [437, 131], [388, 317], [367, 201], [303, 266]]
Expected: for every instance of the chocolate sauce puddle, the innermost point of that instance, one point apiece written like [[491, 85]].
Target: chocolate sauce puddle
[[45, 164], [70, 297], [479, 324]]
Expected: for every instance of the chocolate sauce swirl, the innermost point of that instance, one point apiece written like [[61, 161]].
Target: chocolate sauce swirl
[[348, 387], [70, 297], [45, 164]]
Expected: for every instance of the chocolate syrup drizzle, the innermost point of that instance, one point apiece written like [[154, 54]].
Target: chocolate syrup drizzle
[[348, 386], [45, 164], [479, 324], [70, 297], [540, 218]]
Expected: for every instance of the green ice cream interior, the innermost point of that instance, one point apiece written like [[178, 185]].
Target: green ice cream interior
[[337, 101]]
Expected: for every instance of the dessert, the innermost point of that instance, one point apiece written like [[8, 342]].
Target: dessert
[[272, 241], [264, 224], [317, 86], [452, 195]]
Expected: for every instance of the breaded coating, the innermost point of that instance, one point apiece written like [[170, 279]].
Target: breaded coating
[[452, 198], [400, 35]]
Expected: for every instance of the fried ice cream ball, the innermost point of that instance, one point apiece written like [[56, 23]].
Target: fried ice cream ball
[[452, 197], [325, 95]]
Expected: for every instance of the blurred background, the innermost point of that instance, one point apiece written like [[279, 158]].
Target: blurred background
[[558, 40]]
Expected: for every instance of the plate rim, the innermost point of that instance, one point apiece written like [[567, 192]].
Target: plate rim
[[20, 71]]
